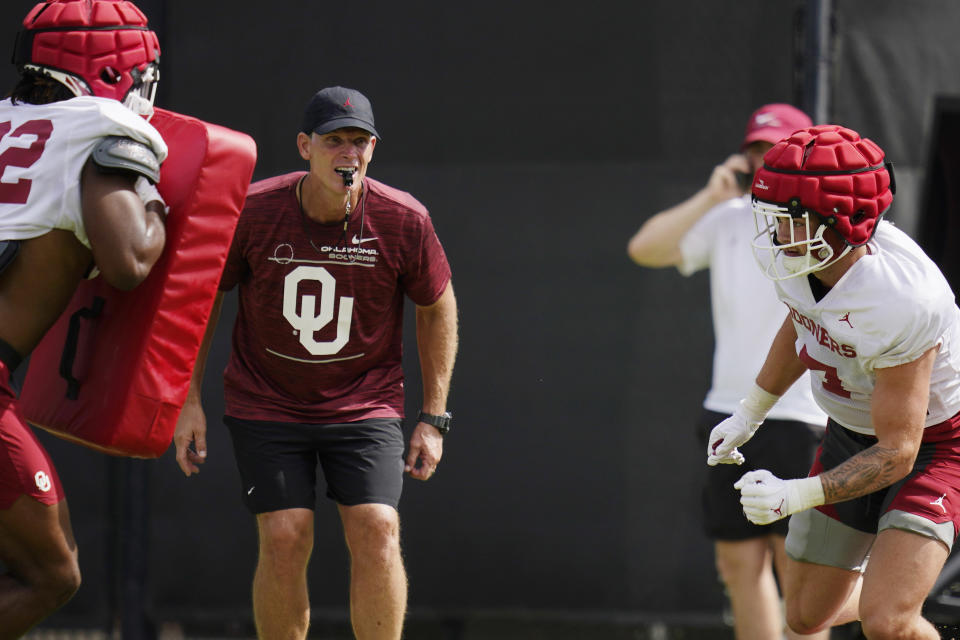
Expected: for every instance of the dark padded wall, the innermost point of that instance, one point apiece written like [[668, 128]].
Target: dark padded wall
[[540, 138], [890, 66], [939, 230]]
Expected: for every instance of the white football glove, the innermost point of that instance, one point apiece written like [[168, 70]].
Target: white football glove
[[148, 193], [726, 437], [766, 498], [739, 428]]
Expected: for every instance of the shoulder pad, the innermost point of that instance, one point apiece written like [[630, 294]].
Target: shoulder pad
[[121, 153]]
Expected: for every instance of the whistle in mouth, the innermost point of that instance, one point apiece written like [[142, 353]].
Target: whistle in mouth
[[347, 176]]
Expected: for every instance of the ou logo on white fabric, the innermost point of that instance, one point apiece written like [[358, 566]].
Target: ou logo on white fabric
[[308, 321], [42, 480]]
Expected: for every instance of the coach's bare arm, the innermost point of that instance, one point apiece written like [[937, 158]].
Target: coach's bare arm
[[657, 243], [192, 423], [437, 347]]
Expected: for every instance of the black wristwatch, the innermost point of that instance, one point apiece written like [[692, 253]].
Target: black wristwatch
[[442, 423]]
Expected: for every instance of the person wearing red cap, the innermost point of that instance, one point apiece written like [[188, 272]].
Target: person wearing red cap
[[323, 261], [77, 197], [876, 323], [712, 230]]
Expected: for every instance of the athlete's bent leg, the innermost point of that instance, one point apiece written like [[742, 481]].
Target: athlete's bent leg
[[818, 597], [780, 567], [902, 569], [378, 581], [40, 554], [281, 604]]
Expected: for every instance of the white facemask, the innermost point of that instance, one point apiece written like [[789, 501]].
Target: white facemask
[[770, 253]]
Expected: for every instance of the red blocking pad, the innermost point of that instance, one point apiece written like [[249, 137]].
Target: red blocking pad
[[113, 372]]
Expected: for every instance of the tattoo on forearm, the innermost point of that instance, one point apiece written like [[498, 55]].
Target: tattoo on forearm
[[866, 472]]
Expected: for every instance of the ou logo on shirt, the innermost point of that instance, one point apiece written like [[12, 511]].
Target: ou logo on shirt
[[43, 481], [308, 321]]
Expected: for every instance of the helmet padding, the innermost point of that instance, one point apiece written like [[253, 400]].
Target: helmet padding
[[94, 47], [831, 171]]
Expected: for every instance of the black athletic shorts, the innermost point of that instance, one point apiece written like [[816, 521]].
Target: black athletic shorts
[[785, 448], [362, 462]]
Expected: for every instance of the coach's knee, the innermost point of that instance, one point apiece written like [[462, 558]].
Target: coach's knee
[[733, 570], [286, 539], [373, 531], [741, 563]]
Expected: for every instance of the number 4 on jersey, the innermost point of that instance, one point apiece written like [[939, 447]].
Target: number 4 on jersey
[[831, 381]]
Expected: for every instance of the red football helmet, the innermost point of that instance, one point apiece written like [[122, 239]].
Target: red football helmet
[[819, 178], [93, 47]]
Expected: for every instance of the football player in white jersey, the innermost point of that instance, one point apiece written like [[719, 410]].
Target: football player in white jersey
[[874, 320], [711, 230], [78, 164]]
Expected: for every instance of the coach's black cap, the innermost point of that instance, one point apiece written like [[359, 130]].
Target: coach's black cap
[[338, 107]]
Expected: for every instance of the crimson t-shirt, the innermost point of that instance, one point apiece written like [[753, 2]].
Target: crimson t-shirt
[[318, 332]]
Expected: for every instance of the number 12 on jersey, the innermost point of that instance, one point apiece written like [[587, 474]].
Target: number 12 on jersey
[[23, 157]]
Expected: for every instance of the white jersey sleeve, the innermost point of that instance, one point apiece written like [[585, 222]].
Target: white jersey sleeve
[[890, 308], [43, 149]]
